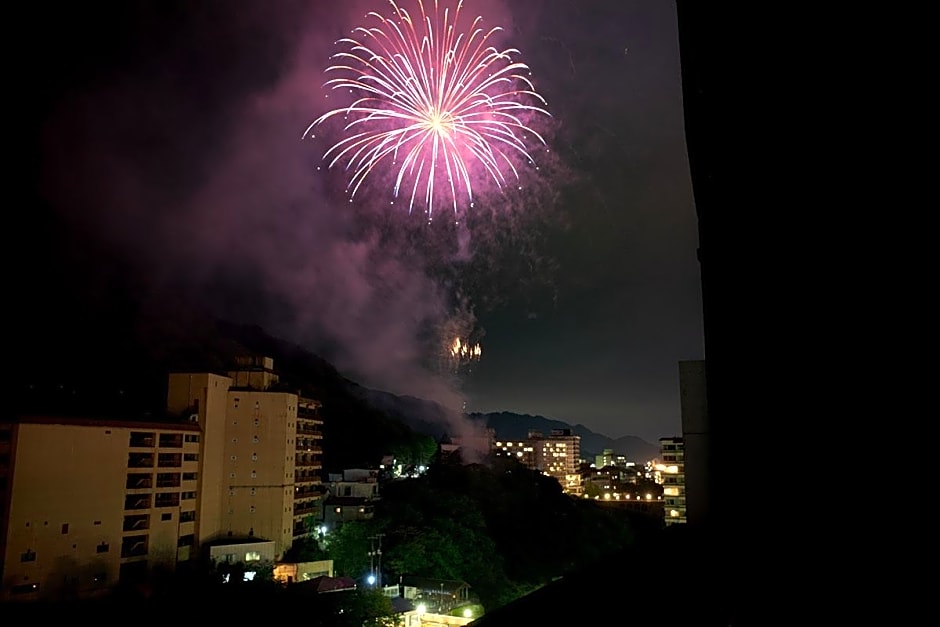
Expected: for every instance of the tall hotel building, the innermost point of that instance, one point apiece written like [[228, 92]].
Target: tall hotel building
[[87, 503]]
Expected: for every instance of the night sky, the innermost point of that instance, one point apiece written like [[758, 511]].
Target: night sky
[[169, 135]]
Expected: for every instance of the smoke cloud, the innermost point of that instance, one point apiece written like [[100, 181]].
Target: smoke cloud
[[189, 156]]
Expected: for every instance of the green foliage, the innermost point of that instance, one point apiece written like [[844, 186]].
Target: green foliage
[[349, 547], [593, 490], [503, 529], [415, 450], [305, 549]]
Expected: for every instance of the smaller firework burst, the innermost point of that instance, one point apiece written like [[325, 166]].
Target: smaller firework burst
[[460, 355]]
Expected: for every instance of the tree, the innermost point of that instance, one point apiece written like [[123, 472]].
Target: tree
[[349, 547], [305, 549]]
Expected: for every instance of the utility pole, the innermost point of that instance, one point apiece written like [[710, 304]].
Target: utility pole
[[378, 577], [376, 553]]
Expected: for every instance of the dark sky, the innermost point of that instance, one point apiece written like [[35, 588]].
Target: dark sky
[[169, 134]]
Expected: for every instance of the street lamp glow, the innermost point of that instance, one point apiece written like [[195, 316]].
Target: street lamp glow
[[422, 608], [371, 579], [467, 613]]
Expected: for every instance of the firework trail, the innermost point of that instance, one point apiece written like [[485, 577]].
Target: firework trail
[[438, 102]]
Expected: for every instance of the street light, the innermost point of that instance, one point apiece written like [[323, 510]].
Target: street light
[[422, 608], [371, 579]]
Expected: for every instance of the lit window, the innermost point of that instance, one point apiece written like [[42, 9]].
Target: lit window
[[674, 513], [252, 556]]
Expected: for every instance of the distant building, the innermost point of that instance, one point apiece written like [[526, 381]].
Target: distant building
[[241, 551], [295, 572], [521, 450], [338, 510], [672, 451], [556, 455], [559, 455], [350, 496], [605, 459], [438, 595]]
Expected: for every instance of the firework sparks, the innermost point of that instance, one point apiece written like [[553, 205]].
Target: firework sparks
[[465, 351], [439, 103], [462, 354]]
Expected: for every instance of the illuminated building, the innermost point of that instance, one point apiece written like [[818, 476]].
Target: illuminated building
[[558, 455], [521, 450], [672, 451], [351, 496], [87, 503], [605, 459]]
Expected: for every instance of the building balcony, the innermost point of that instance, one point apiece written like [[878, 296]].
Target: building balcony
[[167, 499], [140, 439], [169, 460], [137, 501], [306, 477], [309, 447], [134, 546], [306, 507], [137, 522], [171, 440], [306, 491], [310, 431], [305, 461], [168, 480], [139, 481], [140, 460]]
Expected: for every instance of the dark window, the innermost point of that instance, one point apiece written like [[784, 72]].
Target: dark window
[[189, 476], [28, 556], [169, 460], [65, 528], [171, 440], [190, 457], [142, 439], [167, 499], [167, 516], [187, 516], [168, 480], [104, 547]]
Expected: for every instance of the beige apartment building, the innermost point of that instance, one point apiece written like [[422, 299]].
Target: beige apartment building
[[86, 503], [263, 452]]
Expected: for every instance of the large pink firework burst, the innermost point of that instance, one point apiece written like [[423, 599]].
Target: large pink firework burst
[[437, 105]]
